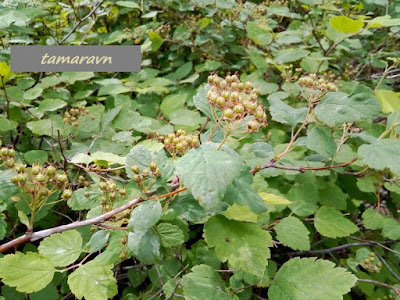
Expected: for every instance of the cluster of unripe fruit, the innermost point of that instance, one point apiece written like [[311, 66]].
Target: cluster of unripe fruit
[[236, 100], [71, 116], [140, 176], [370, 264], [110, 193], [7, 155], [39, 177], [179, 142], [315, 82]]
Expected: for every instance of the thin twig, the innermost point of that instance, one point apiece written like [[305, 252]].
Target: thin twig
[[397, 291]]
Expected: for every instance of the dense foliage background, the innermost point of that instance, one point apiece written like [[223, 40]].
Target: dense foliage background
[[277, 176]]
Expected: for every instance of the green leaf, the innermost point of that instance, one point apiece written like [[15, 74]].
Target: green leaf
[[293, 233], [304, 198], [330, 223], [36, 156], [93, 281], [383, 21], [201, 102], [23, 218], [320, 141], [170, 235], [33, 93], [98, 241], [207, 173], [372, 219], [51, 104], [389, 100], [62, 248], [346, 25], [382, 154], [145, 215], [338, 108], [145, 245], [129, 4], [71, 77], [391, 228], [241, 192], [28, 272], [79, 201], [6, 124], [243, 245], [259, 33], [172, 103], [290, 55], [285, 114], [301, 278], [204, 281]]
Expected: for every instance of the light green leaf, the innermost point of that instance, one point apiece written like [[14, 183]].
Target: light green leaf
[[372, 219], [389, 100], [382, 154], [201, 102], [391, 228], [172, 103], [6, 124], [308, 278], [28, 272], [204, 281], [129, 4], [71, 77], [331, 223], [259, 33], [290, 55], [293, 233], [170, 235], [320, 141], [346, 25], [51, 105], [38, 156], [273, 199], [93, 281], [33, 93], [240, 213], [145, 245], [243, 245], [283, 113], [338, 108], [383, 21], [156, 40], [23, 218], [207, 173], [62, 248], [145, 215], [98, 241]]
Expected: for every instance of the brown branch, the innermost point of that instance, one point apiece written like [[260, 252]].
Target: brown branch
[[80, 22], [397, 291], [301, 169], [34, 236]]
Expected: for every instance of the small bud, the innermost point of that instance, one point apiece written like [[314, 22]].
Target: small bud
[[145, 173], [112, 186], [137, 179], [40, 178], [153, 166], [14, 179], [51, 171], [228, 113], [62, 177], [220, 101], [11, 152], [122, 192], [10, 163], [113, 195], [66, 194], [135, 169], [103, 185], [4, 151], [179, 146], [35, 169], [20, 167], [238, 109], [21, 178], [87, 194]]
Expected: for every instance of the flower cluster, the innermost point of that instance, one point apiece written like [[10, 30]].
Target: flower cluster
[[179, 142], [315, 82], [71, 116], [236, 100]]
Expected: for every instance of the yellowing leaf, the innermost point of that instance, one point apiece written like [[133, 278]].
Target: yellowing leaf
[[5, 73], [274, 199], [345, 24], [389, 100], [240, 213]]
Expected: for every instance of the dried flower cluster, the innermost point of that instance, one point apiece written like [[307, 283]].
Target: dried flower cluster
[[179, 142], [313, 81], [71, 116], [236, 100]]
